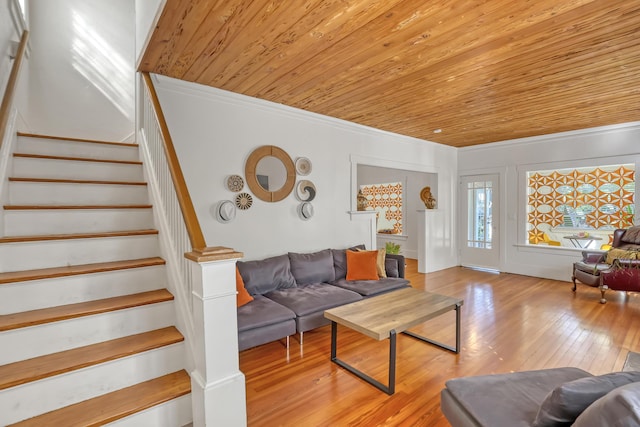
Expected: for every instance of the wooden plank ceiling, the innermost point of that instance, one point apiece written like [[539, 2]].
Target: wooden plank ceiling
[[481, 71]]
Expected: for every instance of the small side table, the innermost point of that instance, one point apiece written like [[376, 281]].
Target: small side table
[[581, 242]]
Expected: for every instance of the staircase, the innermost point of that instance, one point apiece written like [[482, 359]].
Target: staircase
[[87, 333]]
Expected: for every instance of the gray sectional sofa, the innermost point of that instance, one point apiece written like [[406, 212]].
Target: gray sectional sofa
[[292, 291]]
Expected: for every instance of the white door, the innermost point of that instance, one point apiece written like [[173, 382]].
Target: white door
[[479, 221]]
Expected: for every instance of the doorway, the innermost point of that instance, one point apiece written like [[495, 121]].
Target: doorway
[[479, 221]]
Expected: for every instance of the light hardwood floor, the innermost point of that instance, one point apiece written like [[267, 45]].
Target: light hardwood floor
[[509, 323]]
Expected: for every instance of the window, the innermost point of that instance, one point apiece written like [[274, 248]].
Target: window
[[600, 198], [386, 200], [480, 217]]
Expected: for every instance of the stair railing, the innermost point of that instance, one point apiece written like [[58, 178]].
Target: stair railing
[[12, 84], [186, 233], [205, 276]]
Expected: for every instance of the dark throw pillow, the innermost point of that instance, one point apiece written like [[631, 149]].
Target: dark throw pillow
[[314, 267], [618, 408], [566, 402], [632, 235], [267, 274], [391, 266]]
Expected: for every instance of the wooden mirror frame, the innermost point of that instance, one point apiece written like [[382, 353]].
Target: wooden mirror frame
[[252, 180]]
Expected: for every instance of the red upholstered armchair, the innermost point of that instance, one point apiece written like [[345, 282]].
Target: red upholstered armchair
[[605, 271]]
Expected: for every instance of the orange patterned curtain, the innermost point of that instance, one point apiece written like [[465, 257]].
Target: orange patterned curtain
[[386, 199], [597, 197]]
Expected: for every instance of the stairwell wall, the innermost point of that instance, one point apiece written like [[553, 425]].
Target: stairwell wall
[[12, 25], [82, 71], [214, 132]]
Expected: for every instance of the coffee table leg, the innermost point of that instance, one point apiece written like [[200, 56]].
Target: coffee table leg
[[392, 362], [390, 389], [334, 339], [455, 349]]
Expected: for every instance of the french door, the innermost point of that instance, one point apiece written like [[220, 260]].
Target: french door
[[479, 221]]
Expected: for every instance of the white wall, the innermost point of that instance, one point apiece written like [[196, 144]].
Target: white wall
[[413, 182], [215, 131], [147, 15], [8, 33], [511, 159], [82, 68]]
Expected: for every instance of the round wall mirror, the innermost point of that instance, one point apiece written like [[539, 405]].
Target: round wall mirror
[[270, 173]]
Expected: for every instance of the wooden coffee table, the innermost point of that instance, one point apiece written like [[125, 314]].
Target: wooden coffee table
[[385, 316]]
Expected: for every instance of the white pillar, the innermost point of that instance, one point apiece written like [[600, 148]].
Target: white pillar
[[434, 246], [369, 216], [217, 385]]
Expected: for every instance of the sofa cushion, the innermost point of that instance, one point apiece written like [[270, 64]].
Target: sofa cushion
[[510, 399], [619, 407], [266, 275], [308, 299], [340, 261], [590, 268], [242, 296], [632, 235], [391, 267], [362, 265], [564, 403], [262, 312], [372, 287], [314, 267]]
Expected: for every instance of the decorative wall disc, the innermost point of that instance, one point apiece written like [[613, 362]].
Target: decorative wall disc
[[305, 211], [244, 201], [305, 191], [235, 183], [303, 166]]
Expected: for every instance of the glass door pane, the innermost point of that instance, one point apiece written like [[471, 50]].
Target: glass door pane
[[479, 216]]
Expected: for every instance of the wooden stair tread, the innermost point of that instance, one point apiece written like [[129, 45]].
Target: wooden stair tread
[[115, 405], [49, 365], [48, 207], [73, 270], [36, 238], [79, 159], [62, 138], [70, 311], [74, 181]]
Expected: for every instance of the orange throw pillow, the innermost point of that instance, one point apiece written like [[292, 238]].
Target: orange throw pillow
[[362, 265], [242, 297]]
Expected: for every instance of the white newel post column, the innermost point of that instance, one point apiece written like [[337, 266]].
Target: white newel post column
[[369, 216], [217, 385]]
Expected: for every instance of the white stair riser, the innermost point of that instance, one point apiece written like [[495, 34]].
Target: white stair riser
[[28, 400], [25, 167], [33, 341], [64, 221], [37, 294], [55, 253], [44, 193], [174, 413], [54, 147]]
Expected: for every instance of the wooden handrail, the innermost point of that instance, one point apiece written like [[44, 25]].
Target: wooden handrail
[[184, 198], [9, 92], [200, 252]]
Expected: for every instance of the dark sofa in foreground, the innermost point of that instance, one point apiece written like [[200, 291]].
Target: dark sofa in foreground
[[291, 292], [543, 398]]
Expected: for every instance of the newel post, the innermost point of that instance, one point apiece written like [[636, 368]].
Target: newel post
[[217, 385]]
